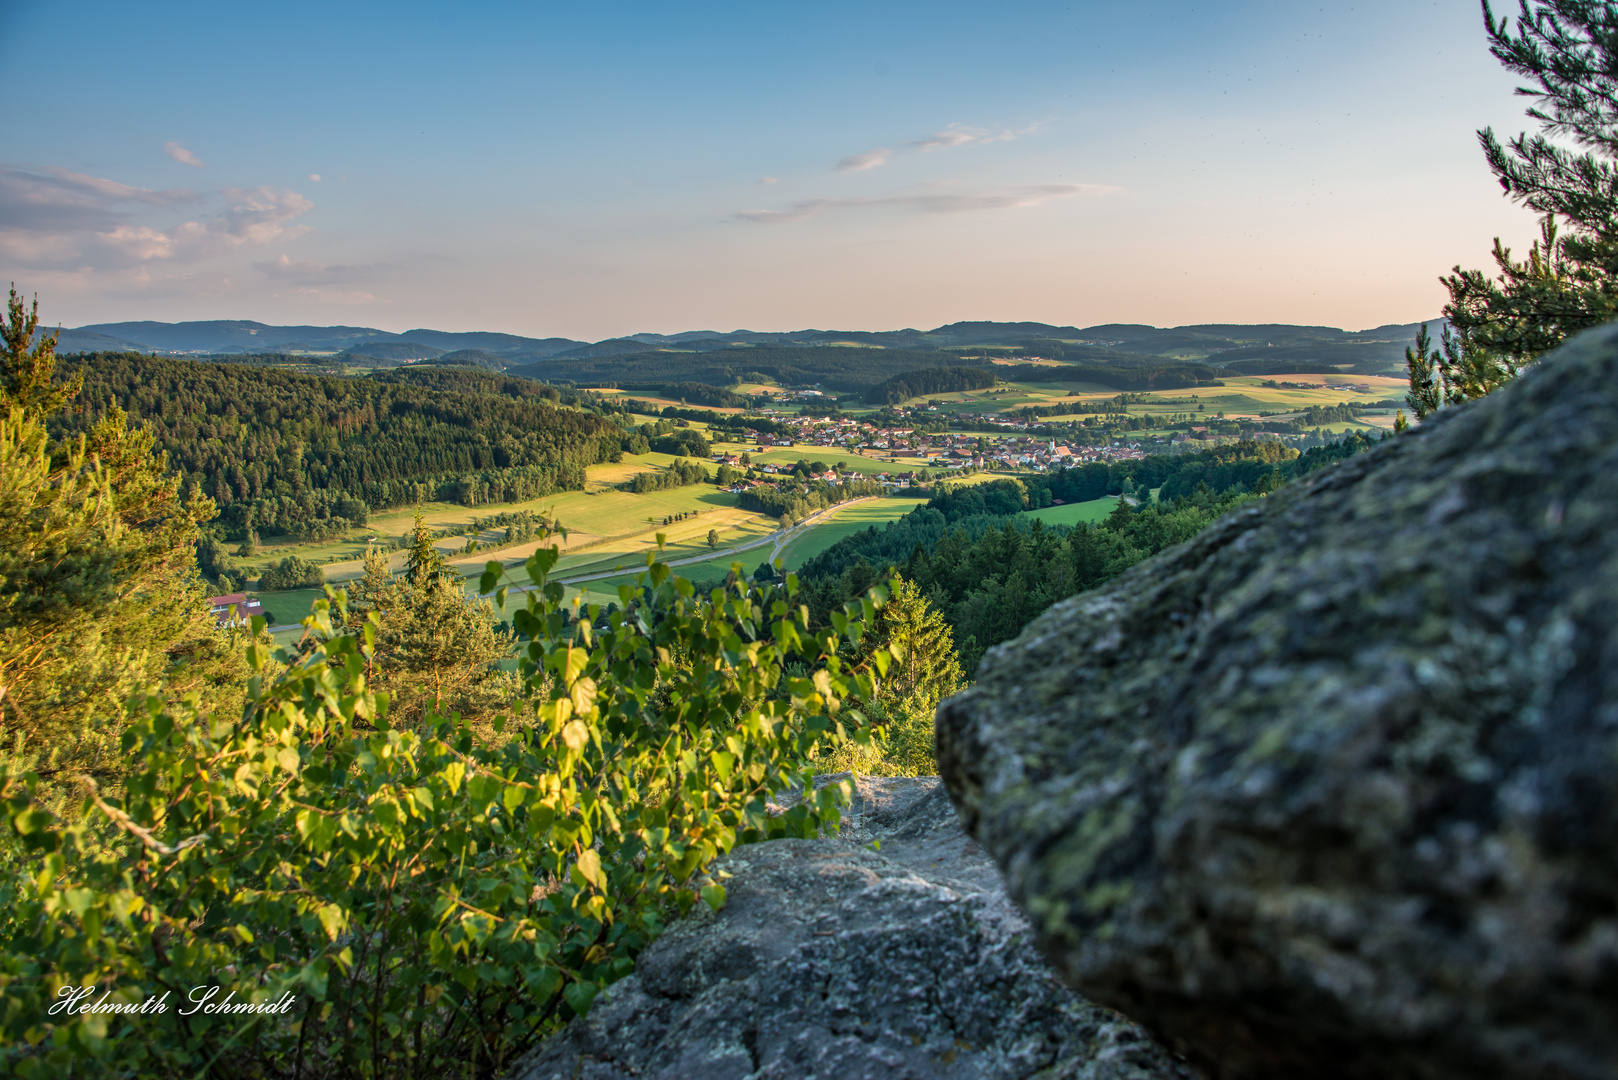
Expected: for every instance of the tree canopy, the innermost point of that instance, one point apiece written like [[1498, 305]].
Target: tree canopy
[[1567, 51], [99, 595]]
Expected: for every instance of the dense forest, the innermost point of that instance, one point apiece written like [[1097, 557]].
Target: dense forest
[[991, 569], [304, 455], [939, 380]]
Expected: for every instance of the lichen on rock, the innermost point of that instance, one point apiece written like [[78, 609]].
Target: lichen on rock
[[1332, 789]]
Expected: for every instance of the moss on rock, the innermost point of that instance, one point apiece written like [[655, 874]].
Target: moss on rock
[[1332, 790]]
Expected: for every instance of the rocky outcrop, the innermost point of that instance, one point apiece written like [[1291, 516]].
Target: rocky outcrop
[[835, 961], [1332, 790]]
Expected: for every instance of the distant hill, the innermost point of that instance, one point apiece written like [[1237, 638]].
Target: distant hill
[[77, 341], [236, 335], [227, 336], [1272, 348], [507, 345]]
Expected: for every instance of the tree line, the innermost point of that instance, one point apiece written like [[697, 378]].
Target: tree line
[[991, 569], [280, 452], [928, 381]]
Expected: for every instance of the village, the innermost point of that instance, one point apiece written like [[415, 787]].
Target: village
[[949, 451]]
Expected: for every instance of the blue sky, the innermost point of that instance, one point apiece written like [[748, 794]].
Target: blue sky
[[596, 169]]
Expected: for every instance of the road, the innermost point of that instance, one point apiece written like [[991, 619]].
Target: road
[[780, 539]]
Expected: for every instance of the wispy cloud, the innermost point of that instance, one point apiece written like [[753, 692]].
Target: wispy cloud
[[951, 137], [314, 176], [53, 199], [768, 180], [1030, 195], [54, 218], [868, 160], [182, 155]]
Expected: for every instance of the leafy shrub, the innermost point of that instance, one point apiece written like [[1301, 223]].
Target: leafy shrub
[[687, 441], [291, 573], [418, 905]]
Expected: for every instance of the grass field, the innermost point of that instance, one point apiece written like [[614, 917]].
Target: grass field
[[840, 523], [843, 523], [288, 607], [1074, 513], [575, 509]]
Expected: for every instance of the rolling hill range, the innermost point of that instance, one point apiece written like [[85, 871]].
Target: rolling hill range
[[805, 356]]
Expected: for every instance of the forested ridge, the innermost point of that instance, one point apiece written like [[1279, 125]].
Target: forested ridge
[[831, 366], [289, 453]]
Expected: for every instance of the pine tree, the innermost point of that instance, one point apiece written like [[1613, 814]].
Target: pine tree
[[1568, 51], [99, 592], [919, 633], [28, 364], [437, 648], [926, 671]]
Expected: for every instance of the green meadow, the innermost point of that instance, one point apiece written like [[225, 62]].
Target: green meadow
[[1076, 513], [845, 522]]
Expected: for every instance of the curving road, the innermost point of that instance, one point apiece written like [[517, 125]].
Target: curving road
[[780, 539]]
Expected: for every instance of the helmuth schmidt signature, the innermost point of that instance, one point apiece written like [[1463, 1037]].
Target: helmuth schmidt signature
[[74, 1001]]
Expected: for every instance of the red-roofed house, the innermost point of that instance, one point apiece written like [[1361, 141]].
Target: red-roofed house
[[234, 608]]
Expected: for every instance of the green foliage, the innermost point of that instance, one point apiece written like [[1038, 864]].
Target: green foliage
[[423, 904], [731, 422], [680, 474], [685, 441], [923, 672], [291, 573], [792, 499], [1568, 51], [696, 393], [436, 650], [990, 569], [28, 364], [99, 596]]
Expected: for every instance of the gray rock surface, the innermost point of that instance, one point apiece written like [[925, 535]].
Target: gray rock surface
[[830, 960], [1332, 790]]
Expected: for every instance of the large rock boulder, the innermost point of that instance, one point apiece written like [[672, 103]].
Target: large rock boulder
[[1332, 790], [831, 960]]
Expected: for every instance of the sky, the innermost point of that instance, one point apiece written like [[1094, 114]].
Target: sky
[[589, 170]]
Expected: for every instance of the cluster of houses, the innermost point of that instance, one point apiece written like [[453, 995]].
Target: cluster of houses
[[939, 450], [1028, 453]]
